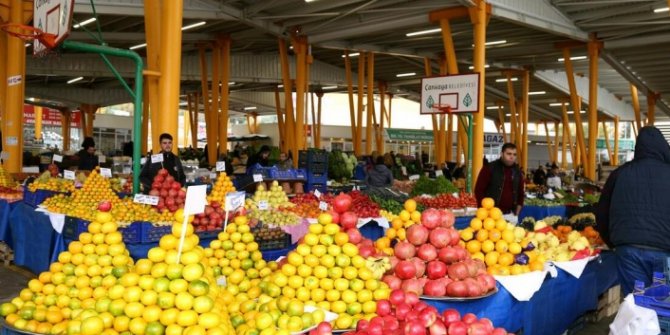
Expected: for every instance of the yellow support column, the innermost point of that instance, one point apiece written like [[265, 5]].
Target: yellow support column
[[289, 120], [12, 136], [557, 135], [38, 122], [428, 70], [280, 122], [300, 48], [382, 116], [452, 69], [525, 88], [371, 103], [576, 104], [361, 95], [593, 50], [607, 142], [170, 66], [224, 44], [145, 119], [450, 138], [566, 140], [152, 28], [615, 157], [480, 19], [548, 138], [3, 83], [195, 118], [636, 106], [210, 126], [501, 119], [350, 94], [513, 110], [194, 130], [215, 94], [651, 108], [66, 118]]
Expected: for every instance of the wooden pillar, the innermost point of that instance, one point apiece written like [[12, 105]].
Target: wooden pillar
[[289, 120], [350, 94], [636, 106], [593, 50], [651, 108], [576, 104], [210, 124], [38, 122], [170, 66], [371, 103], [615, 157], [300, 48]]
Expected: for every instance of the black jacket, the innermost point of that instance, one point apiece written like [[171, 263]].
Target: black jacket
[[634, 206], [379, 176], [87, 161], [170, 162]]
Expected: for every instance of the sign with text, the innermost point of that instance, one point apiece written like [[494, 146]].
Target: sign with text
[[323, 205], [196, 199], [58, 158], [220, 166], [105, 172], [461, 92], [68, 174], [234, 200], [317, 194], [14, 80], [146, 199], [263, 205], [30, 169], [50, 116], [157, 158], [258, 178]]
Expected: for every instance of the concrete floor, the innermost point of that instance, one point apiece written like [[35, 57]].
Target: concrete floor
[[13, 279]]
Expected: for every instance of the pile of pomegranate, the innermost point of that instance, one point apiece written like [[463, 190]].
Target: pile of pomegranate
[[404, 314], [432, 263], [168, 190]]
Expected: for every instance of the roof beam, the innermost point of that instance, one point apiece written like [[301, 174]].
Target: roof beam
[[638, 41], [193, 9]]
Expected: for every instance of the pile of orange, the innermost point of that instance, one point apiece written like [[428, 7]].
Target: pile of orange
[[407, 217], [493, 240], [222, 187]]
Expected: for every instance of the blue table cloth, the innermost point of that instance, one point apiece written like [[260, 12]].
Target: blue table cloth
[[33, 237], [558, 303], [5, 211], [462, 222], [541, 212]]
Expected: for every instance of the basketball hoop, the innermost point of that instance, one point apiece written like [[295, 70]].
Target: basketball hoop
[[441, 109], [29, 33]]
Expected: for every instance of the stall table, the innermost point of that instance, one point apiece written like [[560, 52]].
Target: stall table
[[541, 212], [5, 231], [33, 237]]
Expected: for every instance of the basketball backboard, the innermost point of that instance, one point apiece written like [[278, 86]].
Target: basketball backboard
[[460, 92], [52, 17]]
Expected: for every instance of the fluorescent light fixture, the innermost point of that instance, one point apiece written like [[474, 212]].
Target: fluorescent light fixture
[[78, 25], [424, 32], [537, 93], [504, 80], [493, 43], [329, 87], [195, 25], [555, 104], [409, 74], [280, 86], [508, 114], [353, 54], [229, 83], [573, 112], [310, 0], [250, 108], [661, 10], [72, 81], [573, 58], [27, 45], [472, 67], [139, 46], [494, 107]]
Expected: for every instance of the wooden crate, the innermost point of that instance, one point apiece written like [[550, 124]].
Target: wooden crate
[[608, 304]]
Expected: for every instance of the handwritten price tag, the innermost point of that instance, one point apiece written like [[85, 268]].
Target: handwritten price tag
[[67, 174], [105, 172], [404, 170], [234, 200], [323, 205], [102, 159], [414, 177], [31, 169], [220, 166], [438, 173], [146, 199], [258, 178], [58, 158], [317, 194], [263, 205], [212, 176], [157, 158], [143, 160], [196, 199]]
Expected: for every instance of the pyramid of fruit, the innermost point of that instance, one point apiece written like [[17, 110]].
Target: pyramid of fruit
[[77, 285], [327, 271], [46, 182], [432, 262], [222, 187], [407, 217], [543, 244], [275, 202], [6, 179], [83, 202], [499, 244], [169, 192]]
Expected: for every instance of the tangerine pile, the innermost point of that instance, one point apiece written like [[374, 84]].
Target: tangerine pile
[[222, 187], [407, 217]]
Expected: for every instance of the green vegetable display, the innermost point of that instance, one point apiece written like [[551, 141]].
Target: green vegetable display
[[388, 205], [429, 186], [340, 165]]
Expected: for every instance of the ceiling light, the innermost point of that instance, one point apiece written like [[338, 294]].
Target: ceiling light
[[572, 112], [71, 81], [424, 32], [78, 25], [493, 43], [537, 93], [554, 104], [27, 45], [250, 108], [472, 67], [139, 46], [353, 54], [195, 25], [329, 87], [494, 107], [310, 0], [280, 86], [573, 58], [504, 80], [661, 10], [508, 114], [409, 74]]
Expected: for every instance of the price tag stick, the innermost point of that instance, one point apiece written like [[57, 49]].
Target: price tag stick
[[183, 234], [195, 202]]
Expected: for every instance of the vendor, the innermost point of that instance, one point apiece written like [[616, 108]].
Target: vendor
[[239, 163], [502, 180], [262, 158], [285, 162], [87, 158], [379, 175], [170, 162], [554, 178]]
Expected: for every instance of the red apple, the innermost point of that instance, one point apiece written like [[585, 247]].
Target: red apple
[[458, 328], [105, 206]]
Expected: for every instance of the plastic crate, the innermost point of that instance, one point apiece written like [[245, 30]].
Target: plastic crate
[[322, 187], [73, 227], [151, 233], [313, 156], [319, 168], [655, 297], [665, 325], [132, 233], [283, 174], [210, 234], [300, 174], [282, 243], [317, 178], [38, 197]]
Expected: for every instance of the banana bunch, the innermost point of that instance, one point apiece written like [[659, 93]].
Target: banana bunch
[[387, 215], [378, 266]]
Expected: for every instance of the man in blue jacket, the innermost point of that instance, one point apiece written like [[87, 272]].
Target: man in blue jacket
[[633, 215]]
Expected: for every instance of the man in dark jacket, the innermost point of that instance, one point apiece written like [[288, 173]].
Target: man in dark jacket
[[632, 215], [87, 158], [379, 175], [170, 162], [502, 180]]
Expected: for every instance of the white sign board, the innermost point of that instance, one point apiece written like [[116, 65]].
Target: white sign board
[[323, 205], [438, 173], [460, 91], [263, 205], [317, 194], [53, 17], [234, 200], [220, 166], [30, 169], [12, 140], [105, 172], [14, 80], [146, 199], [157, 158], [58, 158], [258, 178], [102, 159], [490, 138], [67, 174], [196, 199], [414, 177]]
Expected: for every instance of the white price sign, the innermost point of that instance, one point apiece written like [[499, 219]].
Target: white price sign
[[258, 178], [263, 205], [127, 170], [143, 160], [212, 175], [105, 172], [146, 199], [67, 174], [196, 199], [102, 159], [157, 158], [58, 158], [220, 166], [4, 155], [317, 194], [438, 173], [414, 177], [404, 170], [234, 200], [323, 205], [31, 169]]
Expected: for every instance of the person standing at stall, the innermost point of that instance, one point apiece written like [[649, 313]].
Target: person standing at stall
[[170, 162], [633, 211], [87, 158], [502, 180]]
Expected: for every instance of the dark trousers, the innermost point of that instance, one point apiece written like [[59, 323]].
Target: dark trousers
[[636, 263]]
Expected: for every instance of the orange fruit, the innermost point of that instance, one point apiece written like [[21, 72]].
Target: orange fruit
[[488, 203], [494, 235], [489, 223], [482, 235], [476, 224], [505, 259], [488, 246], [473, 246], [410, 205], [491, 258], [467, 234], [495, 213], [482, 213], [508, 236], [415, 216], [502, 246], [501, 224]]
